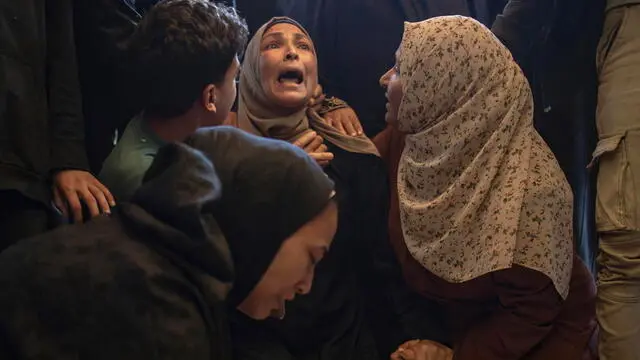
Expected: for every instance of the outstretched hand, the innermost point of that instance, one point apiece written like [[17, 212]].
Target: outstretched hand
[[71, 187], [343, 119]]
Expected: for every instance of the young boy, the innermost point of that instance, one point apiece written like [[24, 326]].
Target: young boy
[[186, 53]]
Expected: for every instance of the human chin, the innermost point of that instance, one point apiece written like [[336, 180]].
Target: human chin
[[257, 310], [390, 116], [290, 95]]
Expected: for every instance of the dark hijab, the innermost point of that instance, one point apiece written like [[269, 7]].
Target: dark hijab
[[257, 192], [270, 189]]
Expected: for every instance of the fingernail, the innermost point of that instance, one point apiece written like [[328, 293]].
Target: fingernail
[[112, 203]]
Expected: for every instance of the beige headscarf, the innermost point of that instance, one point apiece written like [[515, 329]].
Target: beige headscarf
[[257, 117], [479, 189]]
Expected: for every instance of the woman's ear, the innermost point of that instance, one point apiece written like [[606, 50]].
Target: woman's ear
[[209, 98]]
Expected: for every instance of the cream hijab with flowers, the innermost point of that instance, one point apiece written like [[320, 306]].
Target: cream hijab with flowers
[[479, 189]]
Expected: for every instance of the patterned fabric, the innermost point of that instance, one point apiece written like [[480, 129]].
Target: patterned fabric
[[330, 104], [479, 189]]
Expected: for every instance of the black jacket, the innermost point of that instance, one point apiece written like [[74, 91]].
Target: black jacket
[[555, 43], [102, 29], [41, 125], [524, 26]]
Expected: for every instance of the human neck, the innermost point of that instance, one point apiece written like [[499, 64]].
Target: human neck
[[173, 129]]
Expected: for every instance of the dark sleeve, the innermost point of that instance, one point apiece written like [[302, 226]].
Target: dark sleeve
[[382, 141], [380, 273], [102, 307], [523, 25], [377, 223], [529, 304], [373, 203], [252, 341], [65, 104]]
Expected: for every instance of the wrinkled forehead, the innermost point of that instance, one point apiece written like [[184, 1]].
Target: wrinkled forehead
[[253, 48], [283, 25]]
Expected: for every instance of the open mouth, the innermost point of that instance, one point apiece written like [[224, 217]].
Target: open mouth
[[291, 77]]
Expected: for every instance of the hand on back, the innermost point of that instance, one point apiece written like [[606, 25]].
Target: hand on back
[[71, 188], [343, 119]]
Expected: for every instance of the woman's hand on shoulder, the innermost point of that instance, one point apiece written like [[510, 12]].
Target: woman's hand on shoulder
[[344, 120], [422, 350], [336, 113], [313, 144]]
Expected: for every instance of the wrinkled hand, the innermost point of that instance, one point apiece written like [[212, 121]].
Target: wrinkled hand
[[422, 350], [313, 144], [344, 120], [72, 186], [317, 98]]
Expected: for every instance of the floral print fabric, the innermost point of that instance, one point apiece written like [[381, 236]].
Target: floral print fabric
[[479, 189]]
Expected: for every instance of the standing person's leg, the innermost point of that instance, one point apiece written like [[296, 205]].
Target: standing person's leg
[[20, 217], [618, 198]]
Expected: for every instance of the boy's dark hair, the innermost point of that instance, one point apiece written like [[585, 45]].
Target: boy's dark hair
[[181, 46]]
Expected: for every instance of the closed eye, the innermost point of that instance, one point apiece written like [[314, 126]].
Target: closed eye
[[313, 260], [316, 255]]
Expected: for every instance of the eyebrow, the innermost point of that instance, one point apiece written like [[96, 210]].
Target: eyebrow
[[297, 36]]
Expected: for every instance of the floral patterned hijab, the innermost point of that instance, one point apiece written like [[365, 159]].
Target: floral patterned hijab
[[479, 189]]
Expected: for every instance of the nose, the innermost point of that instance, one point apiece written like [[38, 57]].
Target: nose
[[304, 286], [291, 55], [384, 79]]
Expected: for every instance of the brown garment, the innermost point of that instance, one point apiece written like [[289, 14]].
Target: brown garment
[[509, 314]]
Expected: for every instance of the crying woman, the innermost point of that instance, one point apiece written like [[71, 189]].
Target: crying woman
[[278, 78]]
